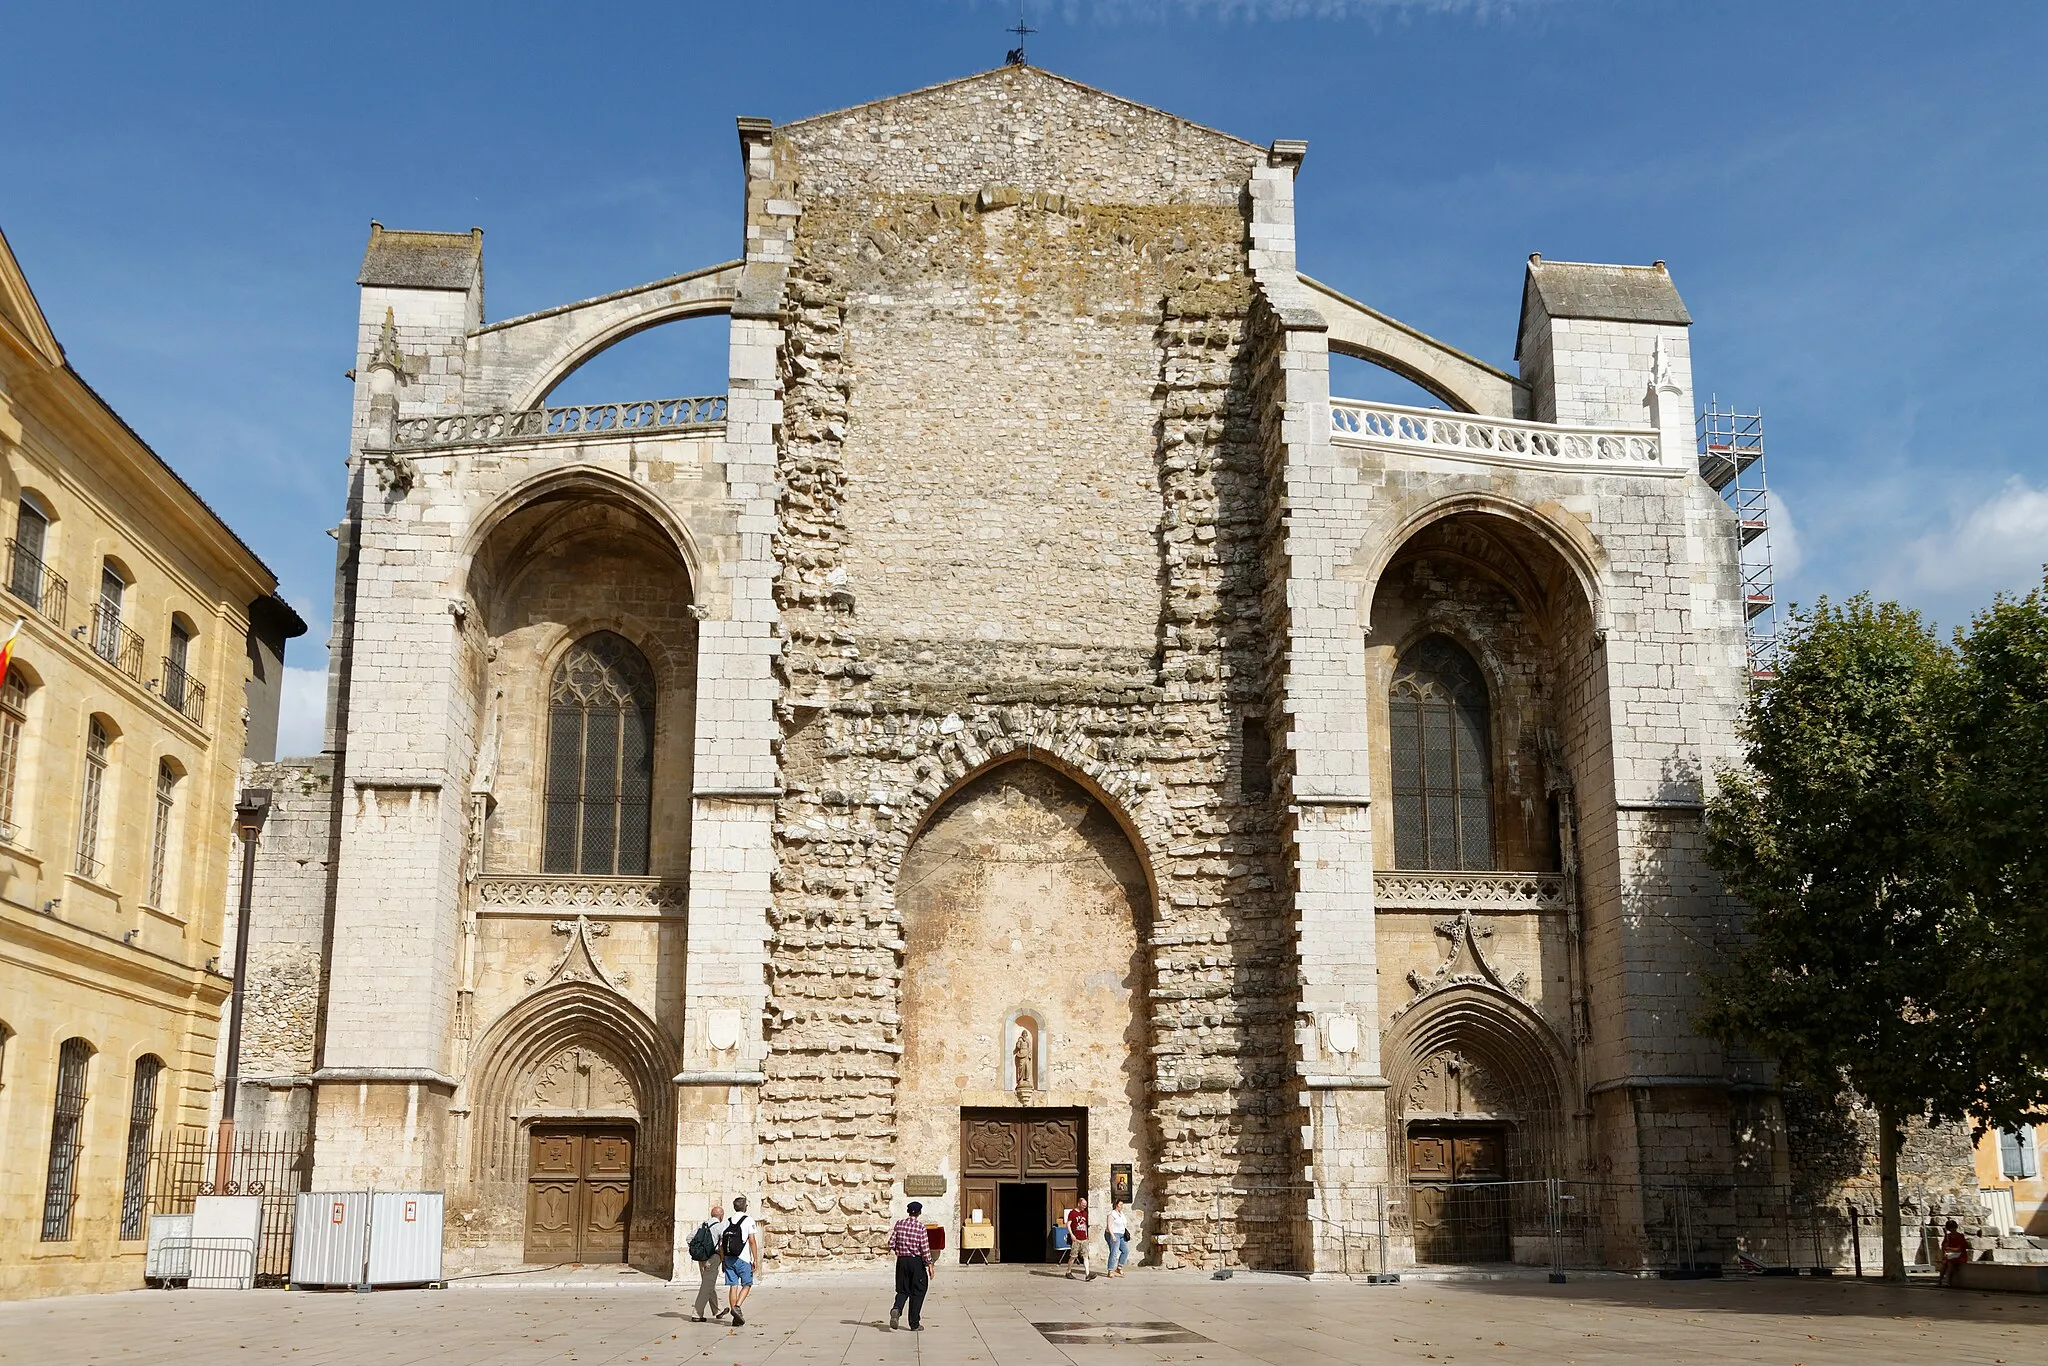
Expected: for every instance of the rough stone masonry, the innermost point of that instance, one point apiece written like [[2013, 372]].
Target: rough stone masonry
[[1024, 738]]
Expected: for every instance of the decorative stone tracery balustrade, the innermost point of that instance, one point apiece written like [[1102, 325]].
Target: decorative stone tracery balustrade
[[1490, 438], [554, 424], [555, 892], [1497, 893]]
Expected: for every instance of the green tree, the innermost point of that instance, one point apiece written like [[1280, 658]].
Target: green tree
[[2002, 805], [1840, 836]]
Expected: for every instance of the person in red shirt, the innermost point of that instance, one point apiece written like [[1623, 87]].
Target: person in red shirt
[[1077, 1235], [1955, 1250], [912, 1244]]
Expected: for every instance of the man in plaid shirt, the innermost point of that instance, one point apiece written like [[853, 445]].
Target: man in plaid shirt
[[913, 1249]]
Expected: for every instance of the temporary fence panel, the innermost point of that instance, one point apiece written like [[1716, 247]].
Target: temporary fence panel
[[330, 1237], [405, 1238], [222, 1224], [169, 1256], [272, 1166]]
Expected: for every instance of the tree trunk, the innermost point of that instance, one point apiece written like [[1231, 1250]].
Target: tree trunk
[[1888, 1142]]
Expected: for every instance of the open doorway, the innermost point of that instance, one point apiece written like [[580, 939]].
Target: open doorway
[[1023, 1225]]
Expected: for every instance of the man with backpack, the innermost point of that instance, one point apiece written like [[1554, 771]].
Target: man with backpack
[[739, 1248], [704, 1252]]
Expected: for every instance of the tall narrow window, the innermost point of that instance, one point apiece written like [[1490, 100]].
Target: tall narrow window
[[160, 832], [25, 554], [106, 618], [141, 1127], [175, 664], [67, 1133], [600, 760], [1442, 752], [97, 746], [13, 718]]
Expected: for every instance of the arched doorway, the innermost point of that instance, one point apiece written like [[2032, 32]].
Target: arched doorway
[[1477, 1116], [571, 1158], [1025, 1075]]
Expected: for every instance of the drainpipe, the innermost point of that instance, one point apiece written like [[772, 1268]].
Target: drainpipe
[[250, 811]]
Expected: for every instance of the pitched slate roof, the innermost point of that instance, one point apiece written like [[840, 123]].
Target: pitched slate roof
[[422, 260]]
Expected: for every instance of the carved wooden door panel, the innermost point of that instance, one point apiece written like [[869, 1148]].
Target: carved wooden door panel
[[607, 1196], [579, 1195], [553, 1175], [1052, 1147], [1458, 1206]]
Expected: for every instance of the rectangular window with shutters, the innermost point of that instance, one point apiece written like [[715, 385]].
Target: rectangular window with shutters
[[2019, 1157]]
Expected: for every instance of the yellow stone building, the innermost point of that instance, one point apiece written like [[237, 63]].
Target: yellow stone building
[[149, 663]]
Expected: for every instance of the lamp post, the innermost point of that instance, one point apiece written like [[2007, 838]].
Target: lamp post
[[250, 811]]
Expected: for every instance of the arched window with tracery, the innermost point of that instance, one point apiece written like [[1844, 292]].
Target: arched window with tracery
[[1443, 758], [600, 783]]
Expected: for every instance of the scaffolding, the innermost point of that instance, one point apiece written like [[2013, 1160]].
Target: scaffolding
[[1732, 461]]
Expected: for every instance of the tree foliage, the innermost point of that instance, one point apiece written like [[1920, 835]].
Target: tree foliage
[[1890, 835]]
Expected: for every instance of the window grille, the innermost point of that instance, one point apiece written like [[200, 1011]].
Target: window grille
[[600, 784], [1441, 739], [97, 743], [67, 1133], [13, 716], [2019, 1159], [106, 634], [160, 832], [141, 1125]]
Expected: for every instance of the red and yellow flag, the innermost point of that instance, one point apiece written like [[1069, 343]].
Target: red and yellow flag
[[7, 648]]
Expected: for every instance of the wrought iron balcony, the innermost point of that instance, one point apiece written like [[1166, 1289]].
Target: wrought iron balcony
[[661, 415], [36, 584], [113, 642], [187, 695], [1491, 438]]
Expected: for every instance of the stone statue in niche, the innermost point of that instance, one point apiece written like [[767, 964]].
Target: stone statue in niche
[[1024, 1054]]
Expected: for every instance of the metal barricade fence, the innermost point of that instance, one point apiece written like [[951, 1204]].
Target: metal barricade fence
[[211, 1263], [274, 1166], [1702, 1226]]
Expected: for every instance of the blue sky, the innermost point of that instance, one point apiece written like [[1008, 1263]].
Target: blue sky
[[1851, 198]]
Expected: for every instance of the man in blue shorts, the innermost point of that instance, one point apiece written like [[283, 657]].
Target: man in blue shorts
[[739, 1245]]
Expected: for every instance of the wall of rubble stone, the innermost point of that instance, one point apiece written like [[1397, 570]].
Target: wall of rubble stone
[[983, 557]]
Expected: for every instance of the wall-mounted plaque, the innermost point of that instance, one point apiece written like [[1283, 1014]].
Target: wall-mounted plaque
[[1120, 1182], [922, 1186]]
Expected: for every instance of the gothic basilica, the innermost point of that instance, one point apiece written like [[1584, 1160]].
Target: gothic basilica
[[1024, 738]]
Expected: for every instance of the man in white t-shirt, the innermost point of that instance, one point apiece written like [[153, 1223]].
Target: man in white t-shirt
[[740, 1247]]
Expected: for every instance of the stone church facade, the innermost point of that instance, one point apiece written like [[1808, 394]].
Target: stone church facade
[[1024, 737]]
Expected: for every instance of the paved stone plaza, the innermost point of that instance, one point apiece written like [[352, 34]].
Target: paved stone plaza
[[1014, 1316]]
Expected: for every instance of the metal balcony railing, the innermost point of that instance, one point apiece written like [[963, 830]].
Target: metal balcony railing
[[187, 695], [35, 583], [114, 642]]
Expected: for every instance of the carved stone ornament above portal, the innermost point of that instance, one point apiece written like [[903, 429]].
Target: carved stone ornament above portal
[[1466, 963], [580, 1081], [579, 961], [1449, 1083]]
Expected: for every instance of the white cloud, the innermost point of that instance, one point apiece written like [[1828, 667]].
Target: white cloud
[[302, 714], [1999, 545], [1788, 547]]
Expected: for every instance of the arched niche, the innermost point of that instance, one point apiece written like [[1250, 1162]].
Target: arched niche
[[1514, 599], [1024, 901], [573, 558]]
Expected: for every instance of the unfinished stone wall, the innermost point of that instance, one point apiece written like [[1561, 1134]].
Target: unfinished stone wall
[[1020, 514]]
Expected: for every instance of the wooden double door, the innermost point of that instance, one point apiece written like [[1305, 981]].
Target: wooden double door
[[579, 1194], [1023, 1169], [1458, 1197]]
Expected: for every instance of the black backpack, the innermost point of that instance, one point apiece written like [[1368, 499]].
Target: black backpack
[[703, 1247], [734, 1244]]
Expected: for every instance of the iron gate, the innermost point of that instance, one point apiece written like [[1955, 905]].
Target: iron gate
[[274, 1166]]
